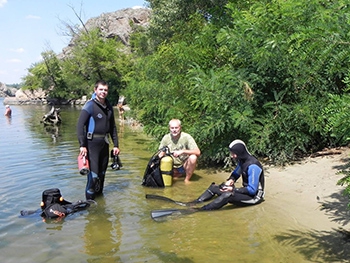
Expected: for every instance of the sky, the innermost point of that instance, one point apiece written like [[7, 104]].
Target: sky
[[30, 27]]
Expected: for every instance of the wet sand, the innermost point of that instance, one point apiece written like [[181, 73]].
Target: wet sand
[[308, 191]]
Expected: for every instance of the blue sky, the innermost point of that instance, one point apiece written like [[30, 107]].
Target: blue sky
[[29, 27]]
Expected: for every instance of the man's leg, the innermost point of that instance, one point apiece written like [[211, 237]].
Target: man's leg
[[103, 165], [219, 202], [189, 166]]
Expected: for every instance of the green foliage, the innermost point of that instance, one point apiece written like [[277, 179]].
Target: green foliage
[[263, 76], [345, 181], [92, 58], [336, 111], [169, 17]]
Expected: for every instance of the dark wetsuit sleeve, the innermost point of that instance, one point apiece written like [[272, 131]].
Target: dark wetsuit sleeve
[[236, 173], [81, 127]]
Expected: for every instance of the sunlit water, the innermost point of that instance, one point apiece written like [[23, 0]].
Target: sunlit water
[[119, 228]]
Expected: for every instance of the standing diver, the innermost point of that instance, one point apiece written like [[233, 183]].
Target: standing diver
[[95, 122], [253, 179]]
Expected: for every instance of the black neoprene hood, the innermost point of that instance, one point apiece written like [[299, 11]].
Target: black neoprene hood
[[239, 148]]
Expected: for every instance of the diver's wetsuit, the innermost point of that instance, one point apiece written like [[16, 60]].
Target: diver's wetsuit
[[101, 118], [253, 179]]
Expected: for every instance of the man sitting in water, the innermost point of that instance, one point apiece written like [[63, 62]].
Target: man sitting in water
[[253, 181], [183, 148]]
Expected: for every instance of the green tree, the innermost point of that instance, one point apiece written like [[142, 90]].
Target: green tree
[[169, 17], [94, 57], [47, 75]]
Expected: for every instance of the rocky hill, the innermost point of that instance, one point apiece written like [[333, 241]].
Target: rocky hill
[[118, 25]]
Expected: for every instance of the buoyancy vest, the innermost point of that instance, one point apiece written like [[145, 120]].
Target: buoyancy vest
[[153, 174], [53, 205], [89, 107]]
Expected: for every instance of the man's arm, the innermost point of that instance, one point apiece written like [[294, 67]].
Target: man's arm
[[196, 152]]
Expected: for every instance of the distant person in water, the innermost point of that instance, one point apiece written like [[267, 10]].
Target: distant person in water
[[8, 111]]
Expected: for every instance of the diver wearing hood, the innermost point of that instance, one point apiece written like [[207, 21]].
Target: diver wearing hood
[[252, 190]]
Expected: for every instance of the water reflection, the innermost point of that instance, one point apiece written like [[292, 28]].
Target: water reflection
[[53, 132], [102, 234], [9, 120]]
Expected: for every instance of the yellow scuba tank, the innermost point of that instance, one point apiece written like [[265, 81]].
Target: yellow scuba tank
[[166, 168]]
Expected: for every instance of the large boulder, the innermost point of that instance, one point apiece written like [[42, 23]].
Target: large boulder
[[120, 24]]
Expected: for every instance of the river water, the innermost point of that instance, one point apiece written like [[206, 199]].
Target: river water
[[119, 228]]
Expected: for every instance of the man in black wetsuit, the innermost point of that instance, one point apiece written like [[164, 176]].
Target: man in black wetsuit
[[95, 122], [253, 181]]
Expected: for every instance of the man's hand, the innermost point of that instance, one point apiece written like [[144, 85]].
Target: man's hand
[[161, 154], [83, 151], [116, 150], [229, 182], [226, 188], [177, 153]]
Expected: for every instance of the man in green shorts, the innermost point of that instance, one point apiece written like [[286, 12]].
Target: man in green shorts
[[183, 148]]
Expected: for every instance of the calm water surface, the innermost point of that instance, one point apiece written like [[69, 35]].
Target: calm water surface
[[119, 228]]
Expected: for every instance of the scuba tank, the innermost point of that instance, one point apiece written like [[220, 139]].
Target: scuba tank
[[166, 168]]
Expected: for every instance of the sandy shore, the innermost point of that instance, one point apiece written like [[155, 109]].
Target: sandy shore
[[308, 191]]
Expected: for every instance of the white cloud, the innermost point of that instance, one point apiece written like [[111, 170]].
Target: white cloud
[[18, 50], [2, 2], [14, 60], [32, 16]]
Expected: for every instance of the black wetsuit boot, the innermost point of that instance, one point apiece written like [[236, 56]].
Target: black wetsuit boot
[[207, 195], [101, 181], [92, 187]]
